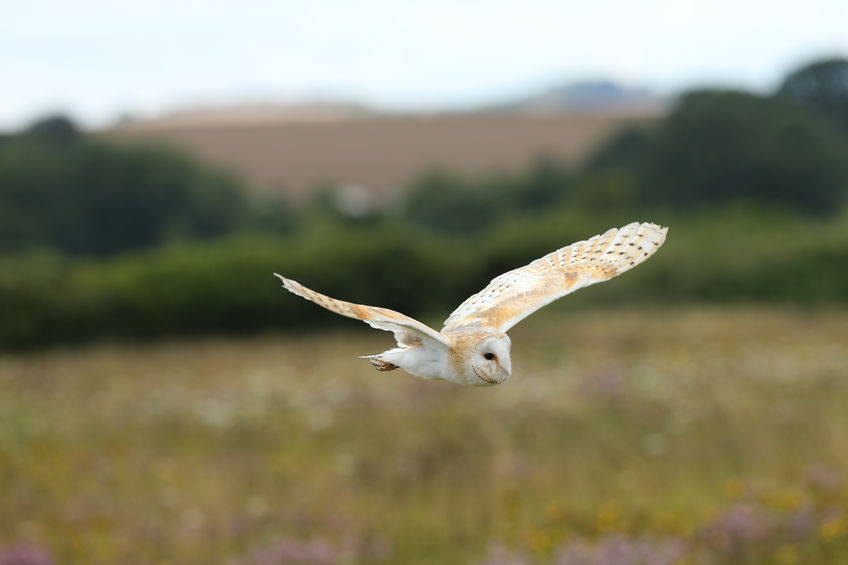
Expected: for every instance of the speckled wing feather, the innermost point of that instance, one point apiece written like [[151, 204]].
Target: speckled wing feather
[[408, 331], [513, 296]]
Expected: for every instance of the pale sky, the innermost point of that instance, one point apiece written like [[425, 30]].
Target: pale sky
[[98, 59]]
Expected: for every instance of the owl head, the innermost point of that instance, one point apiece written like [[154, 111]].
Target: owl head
[[490, 361]]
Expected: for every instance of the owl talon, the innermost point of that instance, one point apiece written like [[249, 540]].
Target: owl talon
[[381, 365]]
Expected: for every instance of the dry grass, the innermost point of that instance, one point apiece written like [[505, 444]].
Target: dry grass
[[709, 429], [383, 153]]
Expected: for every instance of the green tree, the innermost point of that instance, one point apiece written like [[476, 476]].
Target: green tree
[[625, 149], [608, 179], [547, 183], [61, 190], [56, 129], [442, 203], [721, 147], [823, 86]]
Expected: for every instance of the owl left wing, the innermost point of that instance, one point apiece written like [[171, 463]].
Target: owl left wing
[[514, 295], [408, 331]]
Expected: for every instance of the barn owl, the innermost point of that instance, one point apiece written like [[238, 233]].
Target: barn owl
[[472, 348]]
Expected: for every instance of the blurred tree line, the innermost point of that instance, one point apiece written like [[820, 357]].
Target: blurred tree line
[[98, 239], [76, 195]]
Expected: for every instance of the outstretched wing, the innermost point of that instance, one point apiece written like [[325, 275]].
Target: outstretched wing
[[513, 296], [408, 331]]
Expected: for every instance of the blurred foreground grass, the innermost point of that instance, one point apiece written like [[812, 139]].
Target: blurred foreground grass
[[630, 437]]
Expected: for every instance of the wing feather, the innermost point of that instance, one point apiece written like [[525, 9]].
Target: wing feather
[[408, 331], [514, 295]]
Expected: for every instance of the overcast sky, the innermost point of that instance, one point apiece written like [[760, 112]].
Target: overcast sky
[[98, 59]]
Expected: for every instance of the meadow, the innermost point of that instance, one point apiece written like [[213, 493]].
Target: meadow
[[667, 436]]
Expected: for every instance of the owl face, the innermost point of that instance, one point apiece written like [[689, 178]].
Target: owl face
[[490, 361]]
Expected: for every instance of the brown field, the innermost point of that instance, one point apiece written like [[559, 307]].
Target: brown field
[[381, 153]]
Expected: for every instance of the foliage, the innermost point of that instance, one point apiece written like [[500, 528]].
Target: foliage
[[724, 148], [547, 184], [64, 191], [226, 286], [823, 86], [441, 203], [624, 150]]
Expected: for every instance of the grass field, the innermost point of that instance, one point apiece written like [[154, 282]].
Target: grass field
[[653, 437]]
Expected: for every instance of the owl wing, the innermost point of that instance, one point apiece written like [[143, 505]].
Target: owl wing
[[514, 295], [408, 331]]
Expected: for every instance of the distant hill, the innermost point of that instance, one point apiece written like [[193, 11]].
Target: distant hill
[[257, 113], [587, 96], [598, 95]]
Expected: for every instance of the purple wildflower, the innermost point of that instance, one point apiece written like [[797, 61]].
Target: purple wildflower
[[800, 523], [821, 478], [499, 555], [622, 550], [739, 527], [25, 555], [293, 551]]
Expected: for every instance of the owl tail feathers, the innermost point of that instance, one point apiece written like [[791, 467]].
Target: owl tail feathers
[[379, 363]]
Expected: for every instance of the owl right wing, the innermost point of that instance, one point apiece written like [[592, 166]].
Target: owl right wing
[[514, 295], [408, 331]]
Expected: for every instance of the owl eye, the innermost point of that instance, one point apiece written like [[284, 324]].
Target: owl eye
[[489, 356]]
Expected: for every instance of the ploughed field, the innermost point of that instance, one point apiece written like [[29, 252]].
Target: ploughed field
[[382, 153]]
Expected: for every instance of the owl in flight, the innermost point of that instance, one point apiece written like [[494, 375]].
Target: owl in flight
[[473, 348]]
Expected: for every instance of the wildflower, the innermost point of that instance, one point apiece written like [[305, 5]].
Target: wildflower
[[832, 527], [734, 487], [25, 555], [315, 552], [821, 479], [499, 555], [784, 500], [622, 550], [787, 554], [556, 512], [738, 526], [540, 541], [609, 516], [800, 523]]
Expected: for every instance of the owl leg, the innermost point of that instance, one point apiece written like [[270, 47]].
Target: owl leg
[[381, 360], [381, 365]]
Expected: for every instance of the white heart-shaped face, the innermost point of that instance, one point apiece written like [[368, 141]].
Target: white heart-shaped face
[[490, 361]]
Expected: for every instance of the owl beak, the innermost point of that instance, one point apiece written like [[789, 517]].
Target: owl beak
[[507, 371]]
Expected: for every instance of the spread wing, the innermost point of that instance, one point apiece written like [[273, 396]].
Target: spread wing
[[513, 296], [408, 331]]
